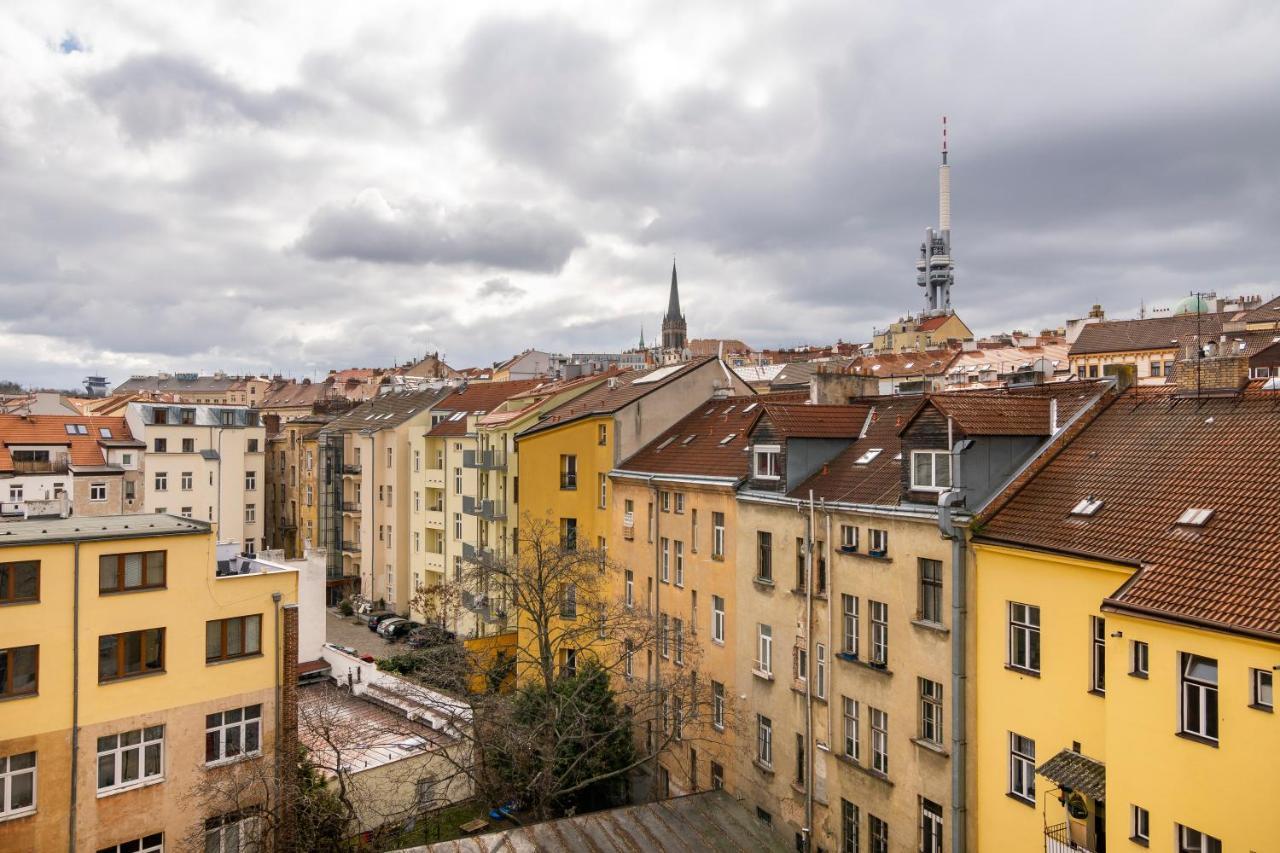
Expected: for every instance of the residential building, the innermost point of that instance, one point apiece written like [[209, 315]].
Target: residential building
[[136, 676], [530, 364], [1026, 362], [366, 459], [912, 334], [205, 462], [1127, 582], [58, 466], [218, 389], [293, 487]]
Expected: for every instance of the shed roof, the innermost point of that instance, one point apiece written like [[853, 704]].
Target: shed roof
[[1077, 772]]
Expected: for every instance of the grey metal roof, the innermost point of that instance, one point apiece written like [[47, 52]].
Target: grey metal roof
[[1077, 772], [98, 527], [210, 454], [709, 821]]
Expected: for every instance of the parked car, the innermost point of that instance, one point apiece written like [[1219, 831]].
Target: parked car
[[401, 629], [385, 625], [376, 619]]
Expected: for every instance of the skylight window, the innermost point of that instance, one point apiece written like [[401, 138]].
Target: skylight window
[[749, 408], [728, 438], [897, 457], [1087, 506], [104, 432], [77, 429], [457, 416], [666, 442], [866, 458], [689, 438], [1194, 517]]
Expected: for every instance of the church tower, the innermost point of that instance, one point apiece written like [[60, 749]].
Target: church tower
[[935, 269], [674, 328]]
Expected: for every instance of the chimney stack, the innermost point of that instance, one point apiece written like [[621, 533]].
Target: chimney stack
[[1223, 375]]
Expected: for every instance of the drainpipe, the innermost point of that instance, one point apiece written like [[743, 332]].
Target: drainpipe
[[831, 626], [808, 681], [275, 599], [75, 694], [657, 625], [959, 674]]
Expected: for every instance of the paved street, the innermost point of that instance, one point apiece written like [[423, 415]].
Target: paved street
[[341, 630]]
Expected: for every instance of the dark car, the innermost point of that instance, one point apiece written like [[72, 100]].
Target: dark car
[[399, 629], [376, 619]]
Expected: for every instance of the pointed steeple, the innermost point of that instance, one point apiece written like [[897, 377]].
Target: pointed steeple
[[642, 336], [673, 302]]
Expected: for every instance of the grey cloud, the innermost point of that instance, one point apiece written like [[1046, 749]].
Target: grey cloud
[[416, 232], [159, 95], [499, 288]]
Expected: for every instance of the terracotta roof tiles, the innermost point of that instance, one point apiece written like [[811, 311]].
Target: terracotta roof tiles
[[710, 441], [82, 450], [477, 399]]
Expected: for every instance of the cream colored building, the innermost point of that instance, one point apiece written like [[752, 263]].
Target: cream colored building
[[207, 463]]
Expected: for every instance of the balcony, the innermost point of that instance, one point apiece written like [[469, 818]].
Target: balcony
[[472, 554], [41, 466], [351, 507], [350, 547], [433, 478], [1057, 839], [568, 480], [351, 469], [434, 519], [435, 562], [485, 509], [484, 460]]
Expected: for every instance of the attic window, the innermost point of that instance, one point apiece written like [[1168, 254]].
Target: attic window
[[104, 432], [730, 409], [1194, 517], [76, 429], [728, 438], [868, 457], [666, 442], [689, 438], [897, 457], [457, 416], [1087, 506], [749, 408]]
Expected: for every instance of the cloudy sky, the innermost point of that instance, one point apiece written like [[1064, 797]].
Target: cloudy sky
[[297, 186]]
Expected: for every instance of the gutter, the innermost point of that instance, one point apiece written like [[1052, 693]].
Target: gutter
[[919, 513], [686, 479]]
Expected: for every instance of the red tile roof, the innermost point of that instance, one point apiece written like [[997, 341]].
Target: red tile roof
[[933, 323], [801, 420], [476, 399], [1153, 333], [1149, 456], [696, 445], [82, 450], [876, 481], [927, 363]]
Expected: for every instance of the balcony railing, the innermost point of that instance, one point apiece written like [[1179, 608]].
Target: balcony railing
[[351, 469], [353, 547], [350, 506], [568, 479], [472, 554], [484, 460], [41, 466], [1057, 839]]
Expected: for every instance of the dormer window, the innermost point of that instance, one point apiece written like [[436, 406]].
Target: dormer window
[[1087, 506], [930, 470], [766, 461]]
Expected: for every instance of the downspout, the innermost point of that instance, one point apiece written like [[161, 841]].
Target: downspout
[[831, 626], [275, 598], [959, 674], [75, 694], [808, 681], [657, 625]]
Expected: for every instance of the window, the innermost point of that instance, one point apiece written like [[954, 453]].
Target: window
[[677, 717], [930, 470], [568, 471], [766, 461], [1098, 656], [130, 653], [879, 741], [569, 662], [457, 481], [1024, 636], [237, 637], [17, 784], [569, 601], [764, 817], [123, 572], [162, 481], [250, 481], [879, 832], [764, 649], [717, 776], [569, 534], [679, 502], [185, 481], [848, 827], [693, 530], [664, 641], [679, 549], [802, 571], [764, 556], [717, 535], [1199, 696], [717, 619], [250, 513], [1139, 659], [764, 740], [388, 457], [1261, 690], [19, 671], [457, 525], [130, 759], [848, 537], [161, 445], [188, 445], [664, 545], [693, 768], [879, 634], [629, 593], [820, 671], [879, 542], [97, 491], [850, 645], [852, 743], [126, 459], [1139, 824], [233, 733], [628, 657], [800, 663], [801, 765], [602, 434], [1194, 841], [1022, 768], [19, 582], [930, 826], [717, 705], [931, 591], [604, 490], [232, 833], [931, 711]]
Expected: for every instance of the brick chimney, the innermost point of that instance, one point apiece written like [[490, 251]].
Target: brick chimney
[[1215, 376]]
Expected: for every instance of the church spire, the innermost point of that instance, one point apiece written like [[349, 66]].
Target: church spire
[[674, 328], [673, 302]]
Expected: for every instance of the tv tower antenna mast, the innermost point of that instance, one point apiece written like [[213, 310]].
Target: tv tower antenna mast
[[934, 270]]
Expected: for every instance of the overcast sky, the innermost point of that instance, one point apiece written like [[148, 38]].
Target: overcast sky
[[292, 187]]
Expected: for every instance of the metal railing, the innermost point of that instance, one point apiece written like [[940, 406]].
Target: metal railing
[[351, 469], [1057, 839], [353, 547], [350, 506], [492, 459]]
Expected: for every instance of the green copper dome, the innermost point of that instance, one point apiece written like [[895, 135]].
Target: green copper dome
[[1193, 305]]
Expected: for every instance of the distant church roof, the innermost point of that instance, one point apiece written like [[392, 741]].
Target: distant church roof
[[673, 303]]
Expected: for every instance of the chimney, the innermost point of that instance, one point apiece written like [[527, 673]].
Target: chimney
[[1053, 415], [1221, 375]]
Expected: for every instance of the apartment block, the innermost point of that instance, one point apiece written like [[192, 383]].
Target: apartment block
[[136, 675], [293, 485], [207, 463]]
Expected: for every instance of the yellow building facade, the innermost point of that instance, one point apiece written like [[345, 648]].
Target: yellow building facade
[[137, 674]]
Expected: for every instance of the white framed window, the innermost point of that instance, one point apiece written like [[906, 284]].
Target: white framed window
[[879, 544], [930, 470], [850, 624], [97, 491], [1139, 824], [930, 711], [717, 619], [417, 541], [237, 832], [629, 592], [250, 480], [153, 843], [766, 458], [457, 481], [930, 826], [417, 460], [628, 660], [801, 663], [604, 490], [1199, 696], [764, 740], [417, 499], [185, 512], [1139, 659], [679, 502], [663, 635], [1261, 689], [664, 501], [848, 537], [130, 759], [17, 784], [764, 649], [820, 670], [678, 624], [679, 556], [457, 525], [930, 590], [1024, 636], [717, 705], [879, 633], [1098, 656], [231, 734], [665, 545], [162, 481], [1022, 768], [852, 743], [879, 741], [848, 827], [717, 534], [250, 513], [1194, 841]]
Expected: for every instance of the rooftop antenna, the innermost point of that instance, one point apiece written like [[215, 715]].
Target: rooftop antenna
[[944, 187]]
